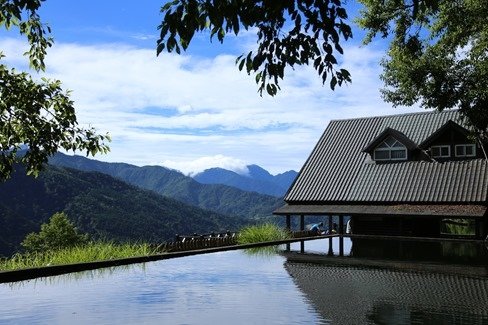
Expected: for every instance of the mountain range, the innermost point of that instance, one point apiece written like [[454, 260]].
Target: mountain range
[[256, 180], [220, 198], [122, 202], [100, 205]]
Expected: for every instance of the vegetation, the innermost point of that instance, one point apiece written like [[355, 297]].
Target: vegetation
[[219, 198], [36, 115], [99, 205], [462, 227], [94, 251], [58, 233], [262, 233], [437, 54], [289, 33]]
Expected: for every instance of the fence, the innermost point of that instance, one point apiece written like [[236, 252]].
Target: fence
[[199, 241], [202, 241]]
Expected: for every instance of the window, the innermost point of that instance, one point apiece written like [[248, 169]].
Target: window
[[440, 151], [465, 150], [390, 149]]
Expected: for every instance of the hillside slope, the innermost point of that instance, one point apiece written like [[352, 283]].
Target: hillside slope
[[219, 198], [100, 205]]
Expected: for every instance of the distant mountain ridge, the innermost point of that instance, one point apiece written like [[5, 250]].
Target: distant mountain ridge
[[257, 180], [223, 199], [100, 205]]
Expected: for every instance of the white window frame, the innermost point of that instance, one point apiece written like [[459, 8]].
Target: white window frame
[[440, 151], [389, 150], [464, 146]]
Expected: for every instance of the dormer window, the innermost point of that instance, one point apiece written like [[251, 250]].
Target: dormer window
[[390, 149], [442, 151], [450, 142], [465, 150]]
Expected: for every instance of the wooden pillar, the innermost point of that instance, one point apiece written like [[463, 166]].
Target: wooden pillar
[[341, 245], [331, 250], [302, 246], [477, 229], [341, 224], [341, 233], [288, 222], [302, 222], [330, 225]]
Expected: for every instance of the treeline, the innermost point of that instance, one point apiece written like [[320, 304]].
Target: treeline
[[97, 204]]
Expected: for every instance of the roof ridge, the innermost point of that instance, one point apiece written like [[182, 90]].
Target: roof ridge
[[395, 115]]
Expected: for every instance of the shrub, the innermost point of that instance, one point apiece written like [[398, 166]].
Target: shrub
[[262, 233], [58, 233]]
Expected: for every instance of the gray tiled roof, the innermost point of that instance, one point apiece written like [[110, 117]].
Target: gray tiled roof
[[338, 171]]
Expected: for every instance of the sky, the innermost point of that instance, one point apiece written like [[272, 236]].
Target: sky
[[193, 111]]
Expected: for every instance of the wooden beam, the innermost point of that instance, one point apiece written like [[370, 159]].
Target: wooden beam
[[288, 222], [302, 222]]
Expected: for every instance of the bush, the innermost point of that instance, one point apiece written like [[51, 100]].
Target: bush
[[262, 233], [59, 233]]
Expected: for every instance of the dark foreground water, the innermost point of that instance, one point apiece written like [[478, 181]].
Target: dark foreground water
[[239, 288]]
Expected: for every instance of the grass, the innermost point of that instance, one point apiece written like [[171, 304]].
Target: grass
[[461, 227], [262, 233], [96, 251]]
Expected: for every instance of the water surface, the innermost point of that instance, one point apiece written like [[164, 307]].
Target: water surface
[[240, 288]]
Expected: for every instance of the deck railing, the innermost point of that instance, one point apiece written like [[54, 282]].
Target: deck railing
[[199, 241], [202, 241]]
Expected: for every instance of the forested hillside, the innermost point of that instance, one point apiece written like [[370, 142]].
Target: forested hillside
[[100, 205], [219, 198]]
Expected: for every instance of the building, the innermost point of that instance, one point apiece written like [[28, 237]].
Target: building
[[395, 175]]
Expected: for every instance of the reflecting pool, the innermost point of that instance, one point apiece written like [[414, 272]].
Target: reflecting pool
[[300, 284]]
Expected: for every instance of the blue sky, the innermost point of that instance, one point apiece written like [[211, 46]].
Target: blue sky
[[196, 110]]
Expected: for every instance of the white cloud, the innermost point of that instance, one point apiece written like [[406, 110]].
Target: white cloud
[[190, 112], [199, 165]]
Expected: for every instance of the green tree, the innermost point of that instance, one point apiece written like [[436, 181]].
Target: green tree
[[59, 233], [289, 32], [437, 56], [38, 116]]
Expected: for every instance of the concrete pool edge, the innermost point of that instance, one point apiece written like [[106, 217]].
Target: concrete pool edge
[[53, 270], [46, 271]]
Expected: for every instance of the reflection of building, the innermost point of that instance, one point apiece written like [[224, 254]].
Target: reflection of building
[[395, 175], [358, 295]]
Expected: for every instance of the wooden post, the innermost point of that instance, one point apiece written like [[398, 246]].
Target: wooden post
[[341, 245], [341, 224], [331, 250], [330, 225], [288, 222], [302, 246], [302, 222], [341, 233]]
